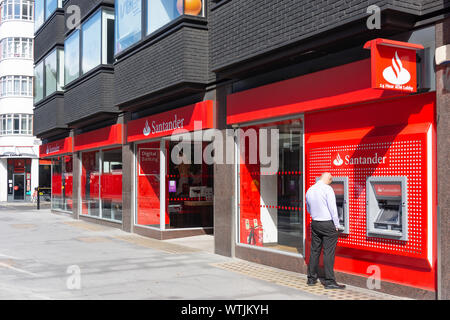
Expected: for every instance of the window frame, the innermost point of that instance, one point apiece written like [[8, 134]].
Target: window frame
[[16, 48], [144, 23], [9, 10], [9, 87], [59, 86], [102, 11], [45, 14], [100, 199], [8, 124]]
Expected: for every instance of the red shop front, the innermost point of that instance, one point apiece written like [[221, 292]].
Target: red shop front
[[101, 172], [378, 144], [174, 186], [60, 154]]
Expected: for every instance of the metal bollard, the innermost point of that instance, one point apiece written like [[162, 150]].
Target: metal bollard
[[38, 199]]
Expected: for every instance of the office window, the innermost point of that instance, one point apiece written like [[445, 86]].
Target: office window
[[161, 12], [107, 37], [16, 86], [17, 10], [50, 7], [91, 34], [39, 14], [44, 10], [16, 124], [72, 57], [128, 23], [50, 73], [39, 82], [16, 48]]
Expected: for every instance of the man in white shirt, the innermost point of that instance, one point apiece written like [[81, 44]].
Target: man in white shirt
[[321, 205]]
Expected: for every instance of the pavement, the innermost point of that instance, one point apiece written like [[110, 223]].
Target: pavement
[[52, 256]]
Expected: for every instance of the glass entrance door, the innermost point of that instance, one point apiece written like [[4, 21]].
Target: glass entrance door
[[19, 186]]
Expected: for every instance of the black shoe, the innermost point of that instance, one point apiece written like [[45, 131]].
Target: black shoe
[[334, 286], [311, 282]]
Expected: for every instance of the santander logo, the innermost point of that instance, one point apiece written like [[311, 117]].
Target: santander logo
[[351, 160], [147, 129], [396, 74], [338, 161]]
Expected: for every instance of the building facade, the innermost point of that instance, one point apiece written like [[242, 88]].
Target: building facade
[[19, 149], [148, 93]]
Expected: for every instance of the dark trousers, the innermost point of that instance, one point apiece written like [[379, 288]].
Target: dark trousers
[[324, 235]]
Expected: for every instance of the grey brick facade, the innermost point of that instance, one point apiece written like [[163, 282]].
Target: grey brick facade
[[49, 116], [179, 58], [49, 35], [91, 95], [242, 30]]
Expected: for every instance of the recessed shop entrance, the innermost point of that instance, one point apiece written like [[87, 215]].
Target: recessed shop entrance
[[19, 186]]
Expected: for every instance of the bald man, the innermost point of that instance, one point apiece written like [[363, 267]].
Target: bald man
[[321, 205]]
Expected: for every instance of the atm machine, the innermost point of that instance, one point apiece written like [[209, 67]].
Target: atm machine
[[387, 207], [340, 188]]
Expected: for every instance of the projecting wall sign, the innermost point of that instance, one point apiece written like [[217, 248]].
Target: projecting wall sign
[[393, 65]]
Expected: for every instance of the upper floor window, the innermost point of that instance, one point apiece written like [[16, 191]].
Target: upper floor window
[[16, 124], [43, 10], [16, 86], [129, 17], [91, 46], [16, 48], [17, 10], [49, 75]]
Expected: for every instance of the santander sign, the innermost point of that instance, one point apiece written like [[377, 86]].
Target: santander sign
[[396, 74], [393, 65], [350, 160]]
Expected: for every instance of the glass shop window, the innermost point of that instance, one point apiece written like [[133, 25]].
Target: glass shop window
[[271, 186], [57, 165], [190, 188], [62, 181], [148, 184], [90, 183], [111, 184]]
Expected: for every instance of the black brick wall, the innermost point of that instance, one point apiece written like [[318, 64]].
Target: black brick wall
[[240, 30], [50, 35], [90, 96], [49, 116], [178, 58]]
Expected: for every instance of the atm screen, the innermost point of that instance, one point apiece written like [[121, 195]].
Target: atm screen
[[338, 187]]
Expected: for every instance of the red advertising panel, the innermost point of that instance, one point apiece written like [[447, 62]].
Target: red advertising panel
[[250, 198], [198, 116], [148, 184], [393, 65], [56, 148], [103, 137], [348, 143]]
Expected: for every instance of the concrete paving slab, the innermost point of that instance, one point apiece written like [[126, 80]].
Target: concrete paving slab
[[58, 259]]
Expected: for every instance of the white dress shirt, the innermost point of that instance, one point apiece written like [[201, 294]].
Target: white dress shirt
[[321, 203]]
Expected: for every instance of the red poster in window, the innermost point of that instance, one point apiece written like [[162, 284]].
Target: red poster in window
[[148, 161], [148, 185], [394, 65]]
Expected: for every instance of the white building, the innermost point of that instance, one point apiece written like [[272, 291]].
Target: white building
[[19, 149]]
